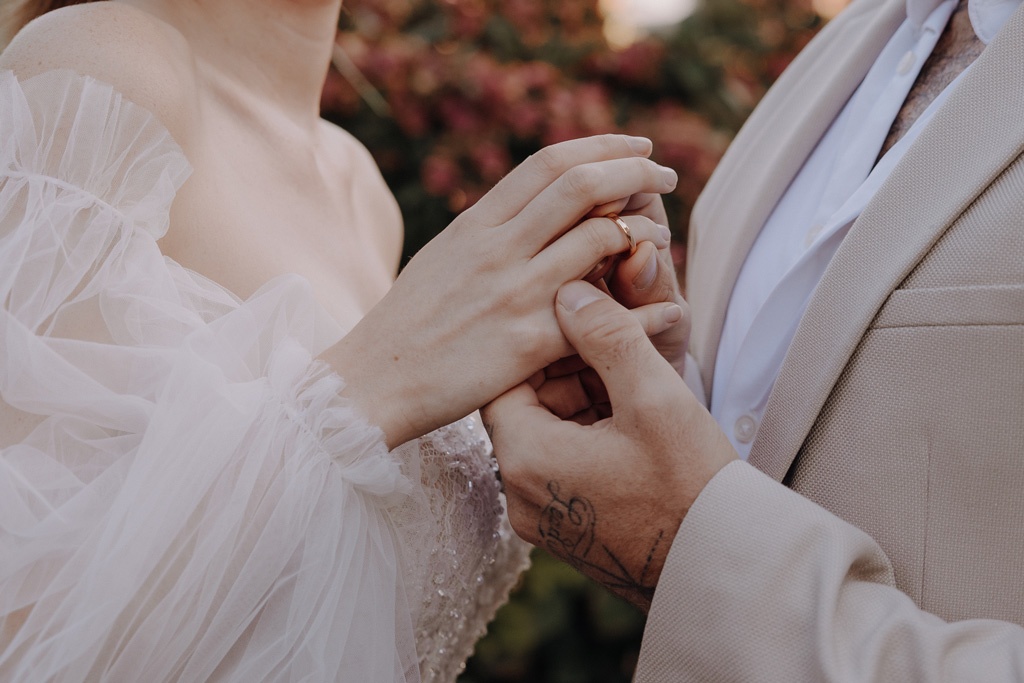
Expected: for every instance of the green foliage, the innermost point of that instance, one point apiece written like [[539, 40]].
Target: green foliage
[[449, 95], [559, 628]]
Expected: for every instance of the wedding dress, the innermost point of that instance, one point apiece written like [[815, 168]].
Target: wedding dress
[[183, 494]]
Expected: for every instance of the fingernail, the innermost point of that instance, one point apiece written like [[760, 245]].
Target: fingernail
[[673, 314], [645, 278], [576, 294], [666, 234], [671, 177], [639, 145]]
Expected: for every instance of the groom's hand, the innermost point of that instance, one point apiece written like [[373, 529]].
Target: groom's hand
[[648, 277], [607, 497]]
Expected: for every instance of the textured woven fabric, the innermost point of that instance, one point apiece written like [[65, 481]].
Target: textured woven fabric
[[898, 413]]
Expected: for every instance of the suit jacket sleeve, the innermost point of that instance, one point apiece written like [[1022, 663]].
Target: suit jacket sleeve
[[763, 585]]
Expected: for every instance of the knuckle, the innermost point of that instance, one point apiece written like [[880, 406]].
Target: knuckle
[[649, 171], [616, 336], [548, 162], [593, 235], [613, 145], [525, 338], [581, 183], [536, 336]]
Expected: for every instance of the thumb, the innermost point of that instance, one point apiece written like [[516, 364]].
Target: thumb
[[609, 339]]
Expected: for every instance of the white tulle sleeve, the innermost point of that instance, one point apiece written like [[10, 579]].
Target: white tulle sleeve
[[183, 494]]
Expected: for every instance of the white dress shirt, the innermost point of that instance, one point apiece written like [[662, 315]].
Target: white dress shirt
[[808, 224]]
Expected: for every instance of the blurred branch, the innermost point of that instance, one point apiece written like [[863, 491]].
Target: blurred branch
[[351, 73]]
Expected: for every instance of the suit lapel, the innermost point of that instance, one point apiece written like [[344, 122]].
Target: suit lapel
[[768, 153], [972, 138]]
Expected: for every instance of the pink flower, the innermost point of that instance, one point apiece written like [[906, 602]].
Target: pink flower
[[491, 160], [459, 115], [440, 175]]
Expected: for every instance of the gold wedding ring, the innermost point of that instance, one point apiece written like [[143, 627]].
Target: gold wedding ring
[[625, 231]]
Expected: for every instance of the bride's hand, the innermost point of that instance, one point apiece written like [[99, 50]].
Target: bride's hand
[[473, 313]]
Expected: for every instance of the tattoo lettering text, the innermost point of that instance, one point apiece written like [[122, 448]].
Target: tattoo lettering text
[[568, 530]]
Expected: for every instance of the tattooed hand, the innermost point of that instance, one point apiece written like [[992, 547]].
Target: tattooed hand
[[566, 530], [602, 461]]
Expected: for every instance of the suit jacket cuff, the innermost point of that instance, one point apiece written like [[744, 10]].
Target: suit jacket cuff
[[741, 589]]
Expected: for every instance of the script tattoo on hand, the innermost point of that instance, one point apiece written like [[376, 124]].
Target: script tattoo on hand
[[567, 529]]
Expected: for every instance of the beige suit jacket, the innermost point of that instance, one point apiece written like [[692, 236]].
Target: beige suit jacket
[[898, 416]]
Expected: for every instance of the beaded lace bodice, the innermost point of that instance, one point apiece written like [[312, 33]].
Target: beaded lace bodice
[[462, 570]]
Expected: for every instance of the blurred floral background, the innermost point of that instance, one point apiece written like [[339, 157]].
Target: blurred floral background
[[449, 95]]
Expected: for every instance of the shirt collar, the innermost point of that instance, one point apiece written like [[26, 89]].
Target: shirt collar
[[987, 16]]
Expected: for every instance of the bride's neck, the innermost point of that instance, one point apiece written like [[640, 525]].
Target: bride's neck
[[276, 50]]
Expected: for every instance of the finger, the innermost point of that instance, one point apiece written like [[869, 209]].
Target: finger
[[567, 366], [602, 270], [588, 377], [531, 177], [583, 187], [657, 318], [646, 204], [644, 278], [592, 384], [643, 204], [508, 417], [608, 264], [586, 418], [617, 206], [564, 396], [611, 341], [576, 253]]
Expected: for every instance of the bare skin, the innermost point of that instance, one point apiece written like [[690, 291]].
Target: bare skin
[[603, 457], [287, 191], [275, 190], [606, 491]]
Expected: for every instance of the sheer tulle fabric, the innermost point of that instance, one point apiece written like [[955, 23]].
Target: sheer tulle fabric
[[183, 494]]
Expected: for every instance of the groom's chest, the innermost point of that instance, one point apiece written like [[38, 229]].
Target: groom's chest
[[900, 408]]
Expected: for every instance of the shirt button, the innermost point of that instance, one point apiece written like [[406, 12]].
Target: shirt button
[[745, 429], [906, 63], [812, 234]]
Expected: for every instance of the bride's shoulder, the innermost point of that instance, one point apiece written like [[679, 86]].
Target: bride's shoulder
[[145, 59], [353, 163]]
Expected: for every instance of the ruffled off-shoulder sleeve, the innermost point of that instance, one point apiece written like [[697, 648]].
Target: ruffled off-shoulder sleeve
[[183, 494]]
